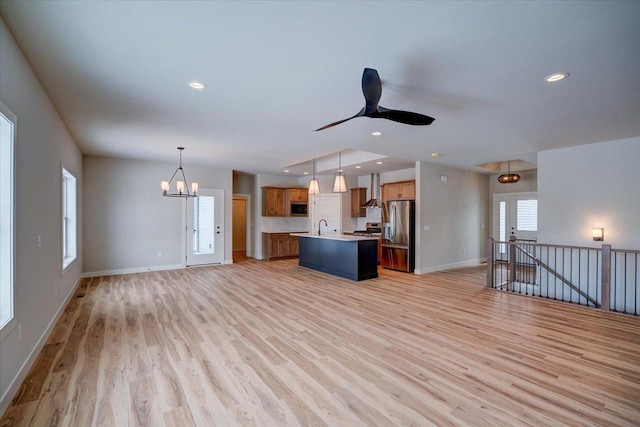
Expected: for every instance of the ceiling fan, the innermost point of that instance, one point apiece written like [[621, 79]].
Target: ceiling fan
[[372, 90]]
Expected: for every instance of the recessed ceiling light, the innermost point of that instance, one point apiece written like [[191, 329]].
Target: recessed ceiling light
[[197, 85], [358, 167], [286, 170], [376, 133], [306, 173], [378, 163], [435, 155], [556, 77]]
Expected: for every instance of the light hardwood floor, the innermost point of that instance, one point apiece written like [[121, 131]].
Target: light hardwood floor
[[274, 344]]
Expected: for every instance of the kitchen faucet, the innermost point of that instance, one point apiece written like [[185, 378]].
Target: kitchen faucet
[[320, 222]]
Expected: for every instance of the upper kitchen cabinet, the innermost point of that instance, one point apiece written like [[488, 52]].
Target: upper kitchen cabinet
[[296, 201], [280, 201], [298, 195], [402, 190], [274, 201], [358, 198]]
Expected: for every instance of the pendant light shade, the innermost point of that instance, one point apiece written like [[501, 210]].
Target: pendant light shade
[[339, 180], [314, 185], [182, 186], [508, 178]]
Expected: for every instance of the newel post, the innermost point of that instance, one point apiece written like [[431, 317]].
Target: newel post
[[606, 278], [512, 262], [490, 260]]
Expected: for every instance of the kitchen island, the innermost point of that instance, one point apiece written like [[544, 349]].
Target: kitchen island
[[352, 257]]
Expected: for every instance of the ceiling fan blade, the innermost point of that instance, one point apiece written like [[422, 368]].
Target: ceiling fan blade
[[406, 117], [372, 89], [330, 125]]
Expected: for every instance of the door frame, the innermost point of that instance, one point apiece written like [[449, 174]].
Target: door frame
[[185, 231], [249, 217]]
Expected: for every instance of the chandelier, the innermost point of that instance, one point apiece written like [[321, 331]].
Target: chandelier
[[182, 186], [508, 178]]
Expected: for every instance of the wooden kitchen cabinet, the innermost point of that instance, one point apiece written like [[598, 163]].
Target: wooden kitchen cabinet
[[279, 245], [293, 246], [274, 201], [358, 198], [403, 190], [298, 195]]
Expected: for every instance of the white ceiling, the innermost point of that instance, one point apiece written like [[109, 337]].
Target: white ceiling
[[118, 71]]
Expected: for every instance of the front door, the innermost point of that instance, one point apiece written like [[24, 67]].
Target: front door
[[514, 214], [205, 228]]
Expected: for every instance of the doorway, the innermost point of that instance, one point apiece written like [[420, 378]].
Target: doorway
[[514, 214], [205, 228], [240, 215]]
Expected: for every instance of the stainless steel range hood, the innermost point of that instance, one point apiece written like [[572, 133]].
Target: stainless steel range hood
[[375, 187]]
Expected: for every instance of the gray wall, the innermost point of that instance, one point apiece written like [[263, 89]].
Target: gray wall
[[243, 184], [127, 221], [43, 144], [457, 214], [595, 185]]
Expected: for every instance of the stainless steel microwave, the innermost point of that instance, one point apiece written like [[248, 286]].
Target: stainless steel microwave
[[298, 208]]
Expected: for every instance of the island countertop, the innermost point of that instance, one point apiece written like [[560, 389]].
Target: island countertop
[[341, 237]]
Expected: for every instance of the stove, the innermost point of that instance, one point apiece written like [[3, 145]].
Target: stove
[[373, 229]]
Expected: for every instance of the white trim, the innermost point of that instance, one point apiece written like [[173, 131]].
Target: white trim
[[227, 261], [469, 263], [120, 271], [20, 376], [13, 272]]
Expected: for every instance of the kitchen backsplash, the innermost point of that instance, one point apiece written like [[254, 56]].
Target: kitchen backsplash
[[270, 223], [373, 215]]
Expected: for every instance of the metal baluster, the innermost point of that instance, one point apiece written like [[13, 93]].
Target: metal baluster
[[624, 307], [635, 280], [615, 280], [548, 263]]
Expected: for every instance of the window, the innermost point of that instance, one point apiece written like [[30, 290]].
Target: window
[[503, 227], [7, 142], [203, 219], [69, 208], [527, 215]]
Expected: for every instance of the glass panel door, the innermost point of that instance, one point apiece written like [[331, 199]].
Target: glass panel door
[[514, 214], [205, 228]]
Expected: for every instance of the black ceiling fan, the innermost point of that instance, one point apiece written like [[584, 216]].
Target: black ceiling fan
[[372, 90]]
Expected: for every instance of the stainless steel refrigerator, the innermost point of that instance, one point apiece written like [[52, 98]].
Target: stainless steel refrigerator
[[398, 235]]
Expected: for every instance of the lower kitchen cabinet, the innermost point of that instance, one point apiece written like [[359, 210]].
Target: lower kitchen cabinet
[[279, 245]]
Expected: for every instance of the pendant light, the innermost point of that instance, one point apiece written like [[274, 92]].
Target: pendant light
[[508, 178], [314, 185], [182, 187], [339, 180]]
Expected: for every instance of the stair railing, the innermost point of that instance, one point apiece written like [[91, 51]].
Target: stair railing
[[603, 278]]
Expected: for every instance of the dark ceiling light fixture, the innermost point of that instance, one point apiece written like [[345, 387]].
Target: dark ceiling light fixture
[[508, 178], [182, 186]]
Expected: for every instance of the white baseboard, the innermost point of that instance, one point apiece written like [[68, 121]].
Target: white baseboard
[[469, 263], [227, 261], [15, 384], [131, 270]]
